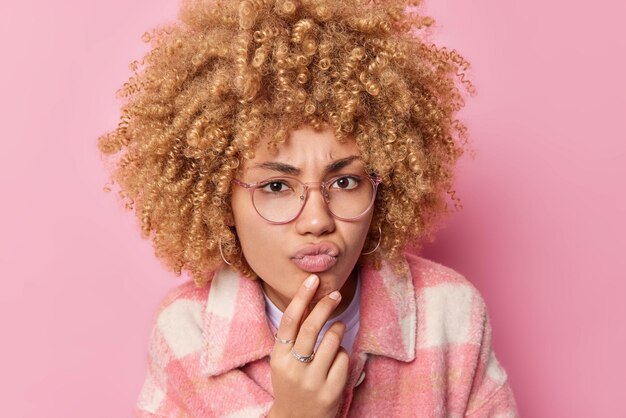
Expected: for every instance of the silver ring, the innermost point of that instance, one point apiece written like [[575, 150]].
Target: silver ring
[[300, 357], [280, 340]]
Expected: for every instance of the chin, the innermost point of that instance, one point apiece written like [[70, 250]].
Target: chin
[[328, 283]]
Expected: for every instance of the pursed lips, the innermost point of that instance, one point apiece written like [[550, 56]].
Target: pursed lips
[[324, 248], [315, 258]]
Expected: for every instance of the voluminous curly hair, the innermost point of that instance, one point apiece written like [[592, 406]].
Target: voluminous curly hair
[[228, 73]]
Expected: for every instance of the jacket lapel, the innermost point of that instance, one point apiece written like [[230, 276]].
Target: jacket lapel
[[235, 331], [388, 313]]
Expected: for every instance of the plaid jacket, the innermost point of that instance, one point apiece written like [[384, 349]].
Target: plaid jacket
[[422, 350]]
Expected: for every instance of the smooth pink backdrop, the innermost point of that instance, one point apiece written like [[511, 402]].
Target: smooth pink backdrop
[[541, 233]]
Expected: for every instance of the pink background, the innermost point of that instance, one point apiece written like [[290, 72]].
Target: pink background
[[541, 233]]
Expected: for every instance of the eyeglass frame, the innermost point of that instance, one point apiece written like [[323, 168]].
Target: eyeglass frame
[[373, 178]]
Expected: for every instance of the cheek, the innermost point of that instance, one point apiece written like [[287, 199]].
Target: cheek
[[359, 233], [244, 224], [259, 245], [252, 241], [355, 245], [250, 237]]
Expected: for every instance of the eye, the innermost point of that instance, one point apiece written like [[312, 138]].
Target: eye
[[274, 186], [346, 183]]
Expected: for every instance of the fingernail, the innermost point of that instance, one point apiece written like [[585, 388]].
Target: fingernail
[[310, 281], [335, 295]]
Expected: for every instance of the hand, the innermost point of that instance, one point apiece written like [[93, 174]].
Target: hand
[[310, 389]]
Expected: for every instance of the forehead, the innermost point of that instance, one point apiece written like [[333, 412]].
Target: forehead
[[306, 149]]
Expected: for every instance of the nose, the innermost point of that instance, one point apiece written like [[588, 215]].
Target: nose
[[315, 217]]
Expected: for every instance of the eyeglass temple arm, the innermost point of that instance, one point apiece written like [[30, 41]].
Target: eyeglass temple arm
[[242, 184]]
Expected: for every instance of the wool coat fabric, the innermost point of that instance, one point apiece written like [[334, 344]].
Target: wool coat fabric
[[423, 350]]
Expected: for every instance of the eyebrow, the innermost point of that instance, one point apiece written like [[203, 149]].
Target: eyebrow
[[291, 170]]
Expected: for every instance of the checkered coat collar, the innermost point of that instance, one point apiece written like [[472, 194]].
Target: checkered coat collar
[[236, 331]]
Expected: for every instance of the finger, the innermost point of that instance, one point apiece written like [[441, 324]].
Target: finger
[[312, 325], [292, 317], [327, 350], [338, 372]]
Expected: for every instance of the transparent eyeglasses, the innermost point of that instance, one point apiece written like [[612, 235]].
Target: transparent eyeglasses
[[280, 200]]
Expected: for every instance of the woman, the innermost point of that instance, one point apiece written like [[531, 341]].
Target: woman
[[291, 156]]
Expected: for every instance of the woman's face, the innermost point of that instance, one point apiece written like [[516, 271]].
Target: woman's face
[[271, 250]]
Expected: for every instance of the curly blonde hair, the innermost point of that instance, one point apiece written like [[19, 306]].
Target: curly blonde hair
[[230, 72]]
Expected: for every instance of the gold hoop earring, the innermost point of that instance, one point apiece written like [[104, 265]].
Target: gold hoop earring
[[222, 254], [380, 236]]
